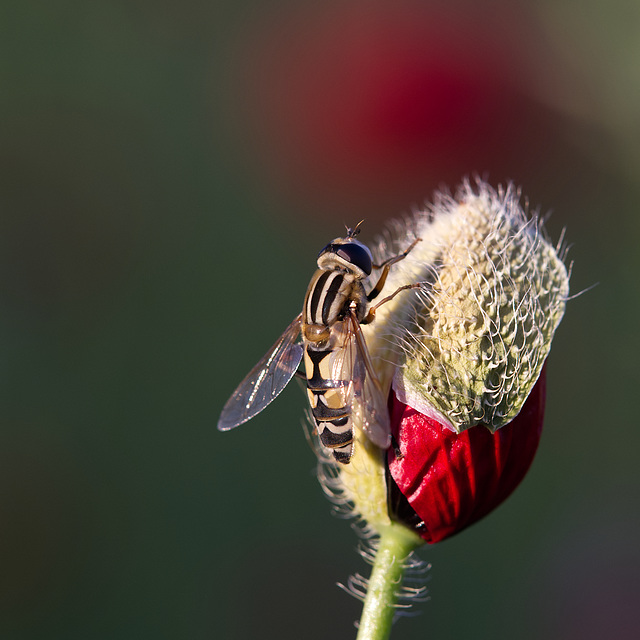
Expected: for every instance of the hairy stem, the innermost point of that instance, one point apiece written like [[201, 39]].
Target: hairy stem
[[395, 545]]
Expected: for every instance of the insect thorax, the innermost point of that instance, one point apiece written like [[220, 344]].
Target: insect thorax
[[330, 296]]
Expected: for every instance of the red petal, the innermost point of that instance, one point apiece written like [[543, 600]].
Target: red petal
[[452, 480]]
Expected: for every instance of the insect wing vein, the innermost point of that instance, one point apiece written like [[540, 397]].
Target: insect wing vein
[[343, 357], [265, 381]]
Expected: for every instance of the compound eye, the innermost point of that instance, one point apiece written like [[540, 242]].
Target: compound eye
[[351, 252], [356, 254], [330, 248]]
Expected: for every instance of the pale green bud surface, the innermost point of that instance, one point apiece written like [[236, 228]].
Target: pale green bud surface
[[474, 338]]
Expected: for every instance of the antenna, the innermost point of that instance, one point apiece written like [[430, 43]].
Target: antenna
[[352, 233]]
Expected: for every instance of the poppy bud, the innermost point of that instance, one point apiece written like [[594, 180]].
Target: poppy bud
[[460, 338], [462, 357]]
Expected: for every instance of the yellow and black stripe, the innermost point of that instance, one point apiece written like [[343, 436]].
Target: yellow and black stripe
[[330, 403]]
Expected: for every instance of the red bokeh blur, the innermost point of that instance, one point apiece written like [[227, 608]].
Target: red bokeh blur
[[452, 480], [375, 105]]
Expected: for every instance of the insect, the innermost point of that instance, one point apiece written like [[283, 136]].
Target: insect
[[342, 385]]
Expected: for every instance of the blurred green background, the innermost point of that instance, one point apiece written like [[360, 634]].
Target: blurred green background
[[168, 172]]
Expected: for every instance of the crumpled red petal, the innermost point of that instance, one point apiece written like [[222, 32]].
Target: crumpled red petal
[[452, 480]]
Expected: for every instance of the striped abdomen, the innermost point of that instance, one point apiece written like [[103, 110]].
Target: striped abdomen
[[330, 399]]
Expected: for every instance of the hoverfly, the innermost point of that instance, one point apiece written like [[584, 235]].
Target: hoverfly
[[340, 376]]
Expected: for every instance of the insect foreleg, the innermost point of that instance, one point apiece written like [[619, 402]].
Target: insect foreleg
[[372, 311], [396, 448], [385, 266]]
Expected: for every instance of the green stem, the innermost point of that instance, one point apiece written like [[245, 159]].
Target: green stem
[[396, 543]]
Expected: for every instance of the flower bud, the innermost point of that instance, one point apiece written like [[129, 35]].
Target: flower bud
[[462, 358]]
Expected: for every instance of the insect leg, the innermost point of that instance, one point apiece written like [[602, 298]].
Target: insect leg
[[385, 266], [396, 448], [363, 351], [372, 312]]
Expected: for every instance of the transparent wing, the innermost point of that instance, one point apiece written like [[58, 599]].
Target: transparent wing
[[265, 381], [369, 410]]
